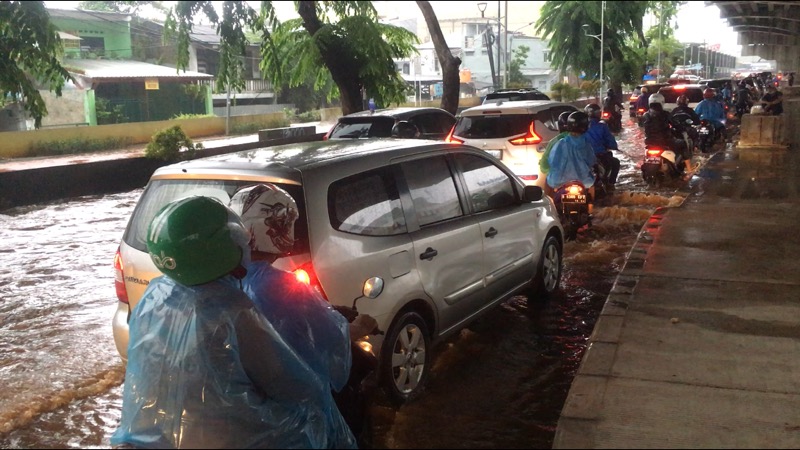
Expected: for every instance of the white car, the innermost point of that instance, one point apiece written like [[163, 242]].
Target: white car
[[516, 133], [693, 92]]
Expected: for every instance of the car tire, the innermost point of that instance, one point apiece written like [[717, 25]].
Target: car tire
[[547, 279], [405, 358]]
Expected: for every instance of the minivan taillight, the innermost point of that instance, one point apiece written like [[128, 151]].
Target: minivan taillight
[[450, 139], [306, 275], [530, 138], [119, 278]]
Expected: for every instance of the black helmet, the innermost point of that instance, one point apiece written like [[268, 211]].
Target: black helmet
[[610, 92], [578, 122], [562, 121], [592, 110], [683, 100], [405, 130]]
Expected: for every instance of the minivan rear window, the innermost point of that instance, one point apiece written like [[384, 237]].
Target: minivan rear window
[[494, 126], [362, 127], [695, 95], [161, 192]]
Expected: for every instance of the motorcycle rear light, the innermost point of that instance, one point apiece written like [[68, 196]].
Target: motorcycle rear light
[[528, 139], [306, 275], [606, 115], [450, 139], [119, 279], [654, 152], [641, 110], [634, 98], [574, 190]]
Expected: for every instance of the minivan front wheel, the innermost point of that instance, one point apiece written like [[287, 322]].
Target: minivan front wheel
[[547, 278], [405, 358]]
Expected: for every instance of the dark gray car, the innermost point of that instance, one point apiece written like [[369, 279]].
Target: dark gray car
[[411, 122]]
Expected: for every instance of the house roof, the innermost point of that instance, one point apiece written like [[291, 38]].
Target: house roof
[[535, 72], [69, 37], [114, 70], [88, 15]]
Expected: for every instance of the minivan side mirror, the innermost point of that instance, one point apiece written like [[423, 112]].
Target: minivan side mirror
[[532, 194]]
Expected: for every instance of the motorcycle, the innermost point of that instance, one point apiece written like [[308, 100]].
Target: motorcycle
[[572, 202], [662, 163], [355, 398], [707, 134], [613, 119], [640, 115]]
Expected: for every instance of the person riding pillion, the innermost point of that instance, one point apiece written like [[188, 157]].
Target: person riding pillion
[[657, 130], [711, 109], [603, 142], [572, 157], [205, 368], [319, 334], [544, 166]]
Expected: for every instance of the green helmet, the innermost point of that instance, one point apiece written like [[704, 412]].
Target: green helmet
[[195, 240]]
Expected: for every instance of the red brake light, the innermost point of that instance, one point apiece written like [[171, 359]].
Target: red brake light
[[306, 275], [654, 152], [450, 139], [634, 98], [641, 110], [680, 87], [530, 138], [606, 115], [119, 279], [529, 177]]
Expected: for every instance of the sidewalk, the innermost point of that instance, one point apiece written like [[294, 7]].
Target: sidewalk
[[698, 345], [130, 151]]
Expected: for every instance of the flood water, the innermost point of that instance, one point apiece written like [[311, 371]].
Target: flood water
[[501, 383]]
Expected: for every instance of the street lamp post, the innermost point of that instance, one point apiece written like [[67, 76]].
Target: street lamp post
[[599, 38]]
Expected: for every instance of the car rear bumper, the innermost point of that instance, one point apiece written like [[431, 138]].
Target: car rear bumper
[[119, 323]]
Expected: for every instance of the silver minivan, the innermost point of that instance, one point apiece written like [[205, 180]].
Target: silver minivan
[[447, 230]]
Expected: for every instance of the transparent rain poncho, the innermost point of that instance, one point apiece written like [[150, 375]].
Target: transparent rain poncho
[[207, 370], [570, 159]]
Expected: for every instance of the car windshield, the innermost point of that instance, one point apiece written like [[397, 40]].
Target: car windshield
[[488, 127], [362, 127], [161, 192], [516, 96]]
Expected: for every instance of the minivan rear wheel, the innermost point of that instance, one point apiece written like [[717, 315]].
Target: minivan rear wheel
[[405, 358]]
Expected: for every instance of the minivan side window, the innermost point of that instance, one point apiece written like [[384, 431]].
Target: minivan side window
[[433, 190], [367, 204], [488, 186]]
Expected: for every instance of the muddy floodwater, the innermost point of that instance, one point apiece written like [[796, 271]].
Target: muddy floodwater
[[500, 383]]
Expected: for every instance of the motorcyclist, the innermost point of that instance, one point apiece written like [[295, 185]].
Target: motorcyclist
[[205, 368], [612, 104], [603, 143], [712, 110], [684, 108], [743, 100], [644, 99], [572, 157], [306, 321], [657, 130], [544, 166]]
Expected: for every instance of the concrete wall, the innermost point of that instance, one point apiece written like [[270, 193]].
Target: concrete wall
[[245, 110], [65, 110], [16, 144]]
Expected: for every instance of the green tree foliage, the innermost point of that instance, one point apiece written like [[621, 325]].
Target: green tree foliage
[[125, 7], [171, 144], [29, 56], [338, 40], [590, 88], [623, 36], [515, 77]]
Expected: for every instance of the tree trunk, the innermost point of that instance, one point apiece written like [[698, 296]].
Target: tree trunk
[[451, 82], [337, 58]]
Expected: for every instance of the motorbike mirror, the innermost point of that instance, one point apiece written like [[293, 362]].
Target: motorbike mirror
[[689, 121]]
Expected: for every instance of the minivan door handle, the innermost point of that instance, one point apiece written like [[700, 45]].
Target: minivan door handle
[[428, 254], [491, 233]]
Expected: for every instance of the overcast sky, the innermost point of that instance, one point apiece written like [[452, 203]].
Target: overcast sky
[[696, 22]]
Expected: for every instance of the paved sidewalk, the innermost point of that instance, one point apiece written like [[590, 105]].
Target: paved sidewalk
[[698, 345]]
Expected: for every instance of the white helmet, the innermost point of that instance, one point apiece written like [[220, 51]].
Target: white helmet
[[268, 213], [656, 98]]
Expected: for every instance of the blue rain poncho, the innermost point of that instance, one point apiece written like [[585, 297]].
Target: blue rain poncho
[[207, 370], [570, 159], [308, 323], [711, 110]]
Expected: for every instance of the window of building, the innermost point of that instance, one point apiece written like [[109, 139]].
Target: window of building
[[407, 68], [546, 55]]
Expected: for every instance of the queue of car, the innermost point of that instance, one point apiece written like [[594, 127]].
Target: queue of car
[[446, 214]]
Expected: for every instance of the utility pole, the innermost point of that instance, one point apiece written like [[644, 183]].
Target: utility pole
[[228, 110], [498, 42], [505, 73]]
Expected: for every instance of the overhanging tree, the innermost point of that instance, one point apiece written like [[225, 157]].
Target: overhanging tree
[[29, 56], [343, 38]]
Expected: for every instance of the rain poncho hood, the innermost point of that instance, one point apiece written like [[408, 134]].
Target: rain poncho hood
[[207, 370], [570, 159], [308, 323]]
